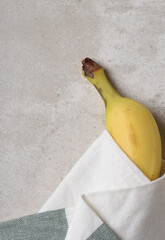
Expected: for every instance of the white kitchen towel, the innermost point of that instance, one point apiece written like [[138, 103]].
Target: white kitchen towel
[[105, 196]]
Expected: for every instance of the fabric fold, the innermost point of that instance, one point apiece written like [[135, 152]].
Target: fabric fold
[[133, 213], [103, 166], [87, 225], [104, 196], [115, 191]]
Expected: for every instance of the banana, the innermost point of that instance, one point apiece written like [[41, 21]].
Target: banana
[[129, 122]]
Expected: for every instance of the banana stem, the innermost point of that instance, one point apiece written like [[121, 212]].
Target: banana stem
[[96, 75]]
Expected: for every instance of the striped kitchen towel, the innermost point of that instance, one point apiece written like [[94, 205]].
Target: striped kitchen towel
[[104, 196]]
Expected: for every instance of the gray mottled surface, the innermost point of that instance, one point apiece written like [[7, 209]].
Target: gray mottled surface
[[49, 114]]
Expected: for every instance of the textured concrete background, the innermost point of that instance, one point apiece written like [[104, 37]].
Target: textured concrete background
[[49, 114]]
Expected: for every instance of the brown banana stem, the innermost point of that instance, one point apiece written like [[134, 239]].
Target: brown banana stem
[[89, 66]]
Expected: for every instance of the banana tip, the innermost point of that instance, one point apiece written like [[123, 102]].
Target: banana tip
[[89, 66]]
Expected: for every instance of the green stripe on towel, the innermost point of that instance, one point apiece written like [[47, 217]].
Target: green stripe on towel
[[103, 233], [51, 225]]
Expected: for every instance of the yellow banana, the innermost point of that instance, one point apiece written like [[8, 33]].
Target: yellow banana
[[129, 122]]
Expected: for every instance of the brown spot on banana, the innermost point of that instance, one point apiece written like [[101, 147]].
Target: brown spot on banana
[[132, 134], [100, 90], [127, 110]]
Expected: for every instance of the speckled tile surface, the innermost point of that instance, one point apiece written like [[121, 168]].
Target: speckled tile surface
[[49, 114]]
